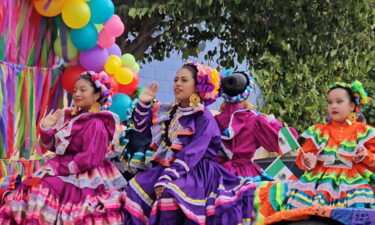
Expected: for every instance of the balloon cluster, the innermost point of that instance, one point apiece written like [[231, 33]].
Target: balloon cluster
[[90, 42]]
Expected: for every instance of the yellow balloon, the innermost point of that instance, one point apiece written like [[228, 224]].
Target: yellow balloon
[[115, 58], [111, 66], [76, 14], [53, 9], [124, 76]]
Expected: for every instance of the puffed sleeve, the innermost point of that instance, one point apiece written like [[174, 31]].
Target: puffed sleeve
[[142, 117], [96, 139], [47, 138], [267, 132]]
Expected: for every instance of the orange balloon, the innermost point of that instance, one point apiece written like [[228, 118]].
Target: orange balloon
[[49, 10]]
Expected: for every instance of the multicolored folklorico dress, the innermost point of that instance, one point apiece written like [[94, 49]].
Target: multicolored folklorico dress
[[243, 132], [79, 185], [197, 189], [335, 180]]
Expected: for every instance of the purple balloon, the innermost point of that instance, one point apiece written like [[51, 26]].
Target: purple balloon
[[114, 50], [93, 59]]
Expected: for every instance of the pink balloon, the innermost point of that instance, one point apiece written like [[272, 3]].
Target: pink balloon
[[105, 40], [114, 26]]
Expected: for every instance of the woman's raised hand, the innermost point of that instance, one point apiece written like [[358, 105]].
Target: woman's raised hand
[[148, 93], [51, 119]]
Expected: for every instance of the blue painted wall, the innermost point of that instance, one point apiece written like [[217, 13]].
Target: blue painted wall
[[163, 73]]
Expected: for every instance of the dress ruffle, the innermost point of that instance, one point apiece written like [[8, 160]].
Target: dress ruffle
[[337, 155], [79, 185], [338, 182], [43, 205], [164, 154], [66, 131], [221, 197]]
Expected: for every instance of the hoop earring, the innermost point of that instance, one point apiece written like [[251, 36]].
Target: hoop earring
[[95, 107], [74, 111], [195, 100], [351, 118]]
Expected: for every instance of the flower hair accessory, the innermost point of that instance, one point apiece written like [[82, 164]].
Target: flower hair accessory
[[244, 94], [360, 95], [102, 81], [208, 82]]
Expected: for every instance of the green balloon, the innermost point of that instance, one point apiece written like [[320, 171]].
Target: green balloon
[[128, 60], [136, 67], [72, 51], [99, 27]]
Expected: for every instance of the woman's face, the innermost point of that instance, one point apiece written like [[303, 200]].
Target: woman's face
[[184, 85], [84, 95], [339, 105]]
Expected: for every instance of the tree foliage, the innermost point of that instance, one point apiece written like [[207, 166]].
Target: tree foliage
[[296, 48]]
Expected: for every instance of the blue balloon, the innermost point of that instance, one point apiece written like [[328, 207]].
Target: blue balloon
[[121, 103], [101, 10], [85, 38]]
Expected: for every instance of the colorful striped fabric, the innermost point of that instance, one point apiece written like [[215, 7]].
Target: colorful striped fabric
[[29, 81], [346, 216], [28, 94], [336, 181], [26, 37]]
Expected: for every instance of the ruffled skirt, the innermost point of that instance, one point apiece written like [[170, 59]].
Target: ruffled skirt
[[91, 197], [322, 187], [207, 194]]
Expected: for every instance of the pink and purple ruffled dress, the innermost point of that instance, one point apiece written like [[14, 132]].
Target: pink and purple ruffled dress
[[243, 132], [79, 185], [197, 189]]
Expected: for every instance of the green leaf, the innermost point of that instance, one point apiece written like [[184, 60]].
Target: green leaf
[[133, 12]]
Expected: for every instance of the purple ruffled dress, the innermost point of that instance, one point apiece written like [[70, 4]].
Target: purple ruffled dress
[[197, 189]]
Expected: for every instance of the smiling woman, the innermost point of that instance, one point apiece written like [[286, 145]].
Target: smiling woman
[[187, 186], [79, 185]]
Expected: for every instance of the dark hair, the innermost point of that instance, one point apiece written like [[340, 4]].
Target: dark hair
[[193, 71], [349, 92], [87, 77]]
